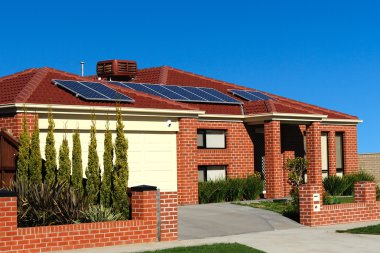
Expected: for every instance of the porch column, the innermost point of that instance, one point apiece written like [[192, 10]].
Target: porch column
[[313, 154], [332, 155], [273, 160]]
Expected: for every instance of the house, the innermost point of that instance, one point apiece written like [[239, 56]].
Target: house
[[190, 128]]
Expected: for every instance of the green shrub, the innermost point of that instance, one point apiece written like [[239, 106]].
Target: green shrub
[[99, 213], [231, 189], [336, 185], [377, 193], [356, 177]]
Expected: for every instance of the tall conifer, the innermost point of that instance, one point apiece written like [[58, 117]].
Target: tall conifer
[[105, 192], [35, 165], [64, 168], [23, 152], [92, 170], [120, 173], [77, 173], [50, 152]]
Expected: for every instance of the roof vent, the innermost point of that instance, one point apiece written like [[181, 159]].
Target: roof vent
[[118, 70]]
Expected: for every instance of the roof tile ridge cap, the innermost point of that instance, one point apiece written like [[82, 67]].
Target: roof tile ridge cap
[[206, 78], [61, 72], [271, 107], [167, 101], [164, 70], [312, 107], [23, 72], [31, 86]]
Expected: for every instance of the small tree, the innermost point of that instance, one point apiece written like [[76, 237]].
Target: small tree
[[92, 170], [64, 169], [77, 173], [35, 165], [296, 171], [120, 173], [23, 153], [105, 192], [50, 152]]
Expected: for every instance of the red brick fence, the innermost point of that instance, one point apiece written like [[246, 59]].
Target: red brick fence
[[314, 213], [154, 218]]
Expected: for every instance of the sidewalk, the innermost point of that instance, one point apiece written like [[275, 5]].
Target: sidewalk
[[295, 240]]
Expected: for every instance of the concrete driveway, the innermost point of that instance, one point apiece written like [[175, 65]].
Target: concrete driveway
[[222, 219]]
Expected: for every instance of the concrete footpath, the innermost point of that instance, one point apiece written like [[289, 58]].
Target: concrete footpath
[[294, 240]]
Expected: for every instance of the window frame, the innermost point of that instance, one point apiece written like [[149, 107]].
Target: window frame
[[339, 170], [204, 169], [204, 137]]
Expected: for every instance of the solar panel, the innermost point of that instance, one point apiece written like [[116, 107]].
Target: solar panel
[[250, 95], [92, 91], [181, 93]]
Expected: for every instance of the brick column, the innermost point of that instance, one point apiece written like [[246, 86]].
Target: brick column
[[273, 160], [306, 203], [285, 157], [313, 154], [8, 219], [187, 169], [365, 192], [332, 153], [144, 203], [350, 149]]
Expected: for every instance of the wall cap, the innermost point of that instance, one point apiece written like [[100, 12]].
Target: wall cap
[[5, 193], [143, 188]]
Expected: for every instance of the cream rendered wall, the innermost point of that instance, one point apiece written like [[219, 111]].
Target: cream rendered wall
[[152, 155]]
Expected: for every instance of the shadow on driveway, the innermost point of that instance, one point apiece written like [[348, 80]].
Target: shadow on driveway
[[221, 219]]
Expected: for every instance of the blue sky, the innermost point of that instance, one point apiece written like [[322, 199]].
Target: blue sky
[[322, 52]]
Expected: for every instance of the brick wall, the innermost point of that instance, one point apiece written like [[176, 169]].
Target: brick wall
[[365, 207], [13, 123], [238, 155], [142, 227], [370, 163]]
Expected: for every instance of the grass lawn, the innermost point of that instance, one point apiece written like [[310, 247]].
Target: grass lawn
[[330, 200], [214, 248], [371, 230]]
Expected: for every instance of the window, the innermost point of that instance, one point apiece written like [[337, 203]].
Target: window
[[324, 155], [339, 154], [211, 138], [211, 173]]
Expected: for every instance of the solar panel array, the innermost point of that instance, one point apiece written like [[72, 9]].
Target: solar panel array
[[93, 91], [250, 95], [182, 93]]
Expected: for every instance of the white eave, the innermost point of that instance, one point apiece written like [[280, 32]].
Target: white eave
[[99, 110]]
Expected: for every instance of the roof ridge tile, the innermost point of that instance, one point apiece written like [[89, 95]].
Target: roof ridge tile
[[33, 83]]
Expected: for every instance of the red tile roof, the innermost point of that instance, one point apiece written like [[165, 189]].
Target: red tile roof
[[170, 75], [35, 86]]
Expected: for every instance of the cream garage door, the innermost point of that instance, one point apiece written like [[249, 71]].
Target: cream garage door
[[152, 160]]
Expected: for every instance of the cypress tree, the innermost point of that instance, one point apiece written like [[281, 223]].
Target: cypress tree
[[50, 152], [76, 179], [105, 190], [23, 153], [120, 173], [92, 170], [64, 169], [35, 165]]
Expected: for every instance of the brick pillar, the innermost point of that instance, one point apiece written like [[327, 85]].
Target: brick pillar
[[285, 156], [273, 160], [144, 203], [169, 216], [365, 192], [187, 170], [332, 153], [308, 216], [8, 219], [350, 150], [313, 154]]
